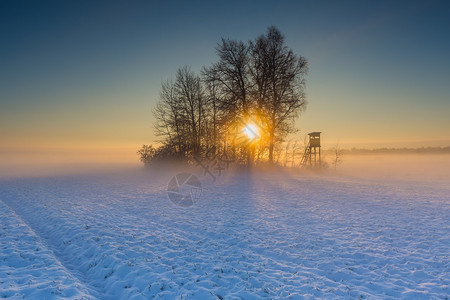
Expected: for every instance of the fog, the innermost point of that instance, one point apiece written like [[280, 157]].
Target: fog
[[412, 167], [54, 162], [416, 167]]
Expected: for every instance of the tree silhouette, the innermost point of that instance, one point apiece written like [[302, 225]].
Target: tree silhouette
[[279, 78], [260, 80]]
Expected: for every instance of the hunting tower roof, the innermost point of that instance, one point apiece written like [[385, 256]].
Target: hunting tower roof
[[315, 133]]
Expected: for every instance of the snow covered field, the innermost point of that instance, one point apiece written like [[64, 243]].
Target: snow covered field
[[258, 237]]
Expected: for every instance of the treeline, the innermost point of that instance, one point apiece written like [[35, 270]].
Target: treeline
[[256, 86], [397, 150]]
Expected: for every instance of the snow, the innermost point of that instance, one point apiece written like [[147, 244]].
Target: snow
[[247, 237], [28, 268]]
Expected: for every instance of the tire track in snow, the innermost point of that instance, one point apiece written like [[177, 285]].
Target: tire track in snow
[[40, 218], [28, 267]]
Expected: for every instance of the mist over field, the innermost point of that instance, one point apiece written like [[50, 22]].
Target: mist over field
[[412, 167], [16, 163], [225, 150], [427, 167], [377, 227]]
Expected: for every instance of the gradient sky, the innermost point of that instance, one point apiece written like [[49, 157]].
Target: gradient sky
[[86, 74]]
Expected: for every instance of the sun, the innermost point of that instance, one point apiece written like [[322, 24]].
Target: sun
[[251, 131]]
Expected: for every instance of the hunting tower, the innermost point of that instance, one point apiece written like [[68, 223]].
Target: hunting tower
[[312, 149]]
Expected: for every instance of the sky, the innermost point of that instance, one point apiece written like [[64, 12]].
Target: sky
[[83, 76]]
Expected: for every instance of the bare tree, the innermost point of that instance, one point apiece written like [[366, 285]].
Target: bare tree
[[180, 113], [337, 158], [230, 76], [146, 154], [191, 102], [296, 151], [169, 120], [260, 79], [278, 74], [286, 151], [213, 114]]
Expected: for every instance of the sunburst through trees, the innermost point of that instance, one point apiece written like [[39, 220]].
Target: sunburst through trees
[[261, 80]]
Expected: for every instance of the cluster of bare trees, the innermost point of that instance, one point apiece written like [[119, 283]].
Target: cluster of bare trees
[[261, 80]]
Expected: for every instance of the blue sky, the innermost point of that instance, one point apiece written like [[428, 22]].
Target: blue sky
[[87, 73]]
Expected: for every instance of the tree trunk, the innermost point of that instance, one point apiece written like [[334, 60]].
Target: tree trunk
[[271, 145]]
